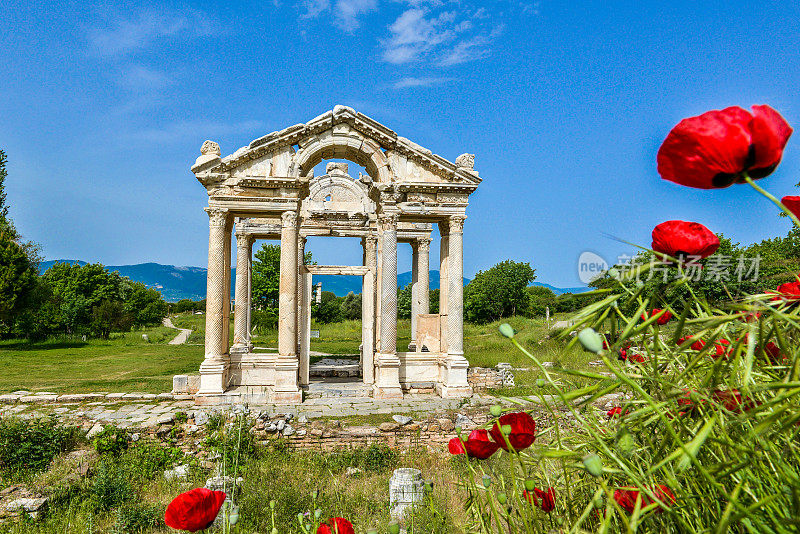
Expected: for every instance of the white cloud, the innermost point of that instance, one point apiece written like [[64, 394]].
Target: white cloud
[[411, 81], [345, 13], [123, 35], [414, 35]]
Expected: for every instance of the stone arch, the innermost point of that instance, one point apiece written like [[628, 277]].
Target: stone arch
[[337, 193], [344, 143]]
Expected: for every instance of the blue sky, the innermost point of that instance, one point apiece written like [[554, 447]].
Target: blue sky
[[104, 106]]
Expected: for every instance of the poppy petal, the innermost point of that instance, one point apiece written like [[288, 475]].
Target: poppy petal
[[194, 510], [769, 134]]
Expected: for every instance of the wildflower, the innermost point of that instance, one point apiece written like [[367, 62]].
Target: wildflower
[[717, 148], [546, 500], [721, 349], [477, 445], [773, 352], [627, 497], [696, 345], [792, 203], [789, 291], [664, 319], [684, 240], [522, 434], [336, 525], [731, 400], [194, 510], [616, 411]]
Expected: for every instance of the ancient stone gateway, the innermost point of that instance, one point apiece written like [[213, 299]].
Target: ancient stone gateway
[[268, 190]]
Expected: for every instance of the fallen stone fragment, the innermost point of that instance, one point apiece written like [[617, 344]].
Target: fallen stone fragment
[[402, 419]]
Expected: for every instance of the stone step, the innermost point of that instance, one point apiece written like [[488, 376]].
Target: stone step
[[323, 390]]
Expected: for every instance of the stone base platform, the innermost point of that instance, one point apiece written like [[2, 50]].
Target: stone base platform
[[342, 387]]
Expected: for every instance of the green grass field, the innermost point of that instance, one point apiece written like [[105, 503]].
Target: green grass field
[[127, 363]]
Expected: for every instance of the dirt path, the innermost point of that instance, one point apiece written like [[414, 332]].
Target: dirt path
[[181, 338]]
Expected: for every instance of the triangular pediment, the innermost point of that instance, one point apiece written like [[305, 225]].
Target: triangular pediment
[[341, 133]]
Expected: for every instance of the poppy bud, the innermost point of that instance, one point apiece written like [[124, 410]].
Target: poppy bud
[[598, 502], [394, 528], [487, 481], [317, 513], [274, 531], [593, 464], [529, 485], [626, 443], [506, 330], [505, 429], [428, 487], [496, 410], [458, 431], [540, 382], [501, 498], [272, 504], [372, 531], [591, 340], [300, 518]]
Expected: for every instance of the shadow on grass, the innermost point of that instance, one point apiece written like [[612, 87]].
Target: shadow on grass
[[42, 345]]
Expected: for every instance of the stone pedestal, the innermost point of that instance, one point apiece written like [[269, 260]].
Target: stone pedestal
[[406, 488]]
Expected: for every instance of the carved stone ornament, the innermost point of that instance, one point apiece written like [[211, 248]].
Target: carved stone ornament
[[210, 147], [337, 167], [457, 223], [217, 216], [288, 218], [466, 161], [424, 244], [388, 221]]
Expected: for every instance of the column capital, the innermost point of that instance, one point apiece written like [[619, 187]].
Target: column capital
[[423, 243], [370, 241], [243, 240], [288, 219], [388, 220], [217, 216], [457, 223]]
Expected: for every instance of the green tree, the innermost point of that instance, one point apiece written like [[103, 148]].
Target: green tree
[[329, 310], [144, 305], [5, 222], [17, 278], [351, 306], [498, 292], [434, 300], [404, 302], [539, 299], [267, 276], [110, 316]]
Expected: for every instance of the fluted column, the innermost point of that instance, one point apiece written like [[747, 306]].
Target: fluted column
[[387, 379], [240, 316], [444, 284], [249, 295], [370, 244], [420, 300], [286, 390], [301, 251], [213, 370], [455, 376]]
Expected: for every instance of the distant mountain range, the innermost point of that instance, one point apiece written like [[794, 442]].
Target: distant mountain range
[[176, 283]]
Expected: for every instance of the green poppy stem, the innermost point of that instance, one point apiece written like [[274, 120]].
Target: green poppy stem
[[773, 199]]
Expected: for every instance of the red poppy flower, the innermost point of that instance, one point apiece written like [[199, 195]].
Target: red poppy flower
[[623, 354], [731, 400], [615, 411], [715, 149], [789, 291], [626, 497], [749, 317], [664, 319], [338, 525], [636, 357], [478, 445], [523, 430], [684, 240], [721, 349], [194, 510], [792, 203], [696, 345], [773, 352], [546, 500]]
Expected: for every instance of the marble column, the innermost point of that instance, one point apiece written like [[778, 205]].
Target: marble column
[[455, 373], [213, 370], [370, 244], [241, 301], [444, 285], [301, 252], [387, 379], [286, 390], [249, 295], [420, 291]]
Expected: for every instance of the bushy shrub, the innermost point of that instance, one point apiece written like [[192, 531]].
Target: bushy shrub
[[146, 460], [376, 458], [111, 440], [28, 446]]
